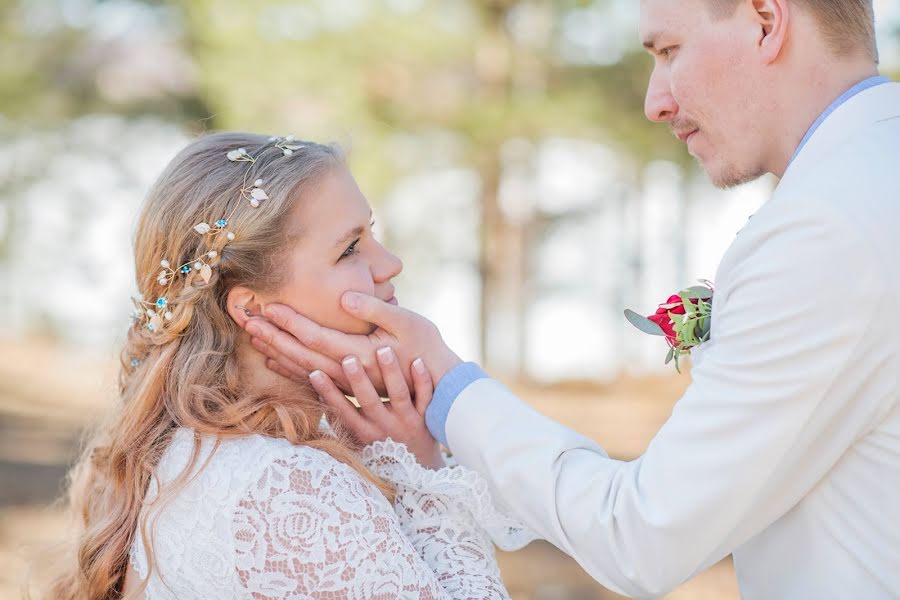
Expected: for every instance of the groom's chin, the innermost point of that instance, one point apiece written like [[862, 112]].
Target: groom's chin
[[725, 176]]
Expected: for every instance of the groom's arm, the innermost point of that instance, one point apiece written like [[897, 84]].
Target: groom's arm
[[774, 405], [768, 414]]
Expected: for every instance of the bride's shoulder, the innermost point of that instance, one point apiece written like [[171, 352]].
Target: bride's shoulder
[[233, 461]]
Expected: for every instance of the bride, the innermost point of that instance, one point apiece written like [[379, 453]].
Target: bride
[[214, 477]]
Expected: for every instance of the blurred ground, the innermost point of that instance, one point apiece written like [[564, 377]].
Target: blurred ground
[[48, 394]]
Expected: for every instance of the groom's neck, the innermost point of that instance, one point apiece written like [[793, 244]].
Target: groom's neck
[[807, 93]]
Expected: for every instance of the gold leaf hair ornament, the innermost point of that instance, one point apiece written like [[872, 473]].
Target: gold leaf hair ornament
[[155, 314]]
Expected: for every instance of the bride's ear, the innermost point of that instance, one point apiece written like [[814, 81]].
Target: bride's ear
[[244, 303]]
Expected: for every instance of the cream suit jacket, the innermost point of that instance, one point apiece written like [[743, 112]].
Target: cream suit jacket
[[785, 449]]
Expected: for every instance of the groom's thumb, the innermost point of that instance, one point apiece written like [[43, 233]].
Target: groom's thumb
[[373, 310]]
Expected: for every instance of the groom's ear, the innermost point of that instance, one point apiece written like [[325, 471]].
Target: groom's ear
[[773, 18], [244, 303]]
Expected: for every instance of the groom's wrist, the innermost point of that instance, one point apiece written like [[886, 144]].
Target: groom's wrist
[[448, 388], [441, 365]]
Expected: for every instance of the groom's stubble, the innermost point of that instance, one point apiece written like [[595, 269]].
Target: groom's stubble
[[727, 175]]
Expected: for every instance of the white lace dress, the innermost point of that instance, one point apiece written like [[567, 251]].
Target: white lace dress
[[265, 519]]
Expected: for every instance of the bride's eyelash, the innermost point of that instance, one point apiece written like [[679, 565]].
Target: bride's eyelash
[[351, 249]]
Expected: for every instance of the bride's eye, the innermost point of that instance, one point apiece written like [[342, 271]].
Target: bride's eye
[[351, 249]]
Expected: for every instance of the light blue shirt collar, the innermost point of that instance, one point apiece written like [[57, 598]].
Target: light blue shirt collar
[[859, 87]]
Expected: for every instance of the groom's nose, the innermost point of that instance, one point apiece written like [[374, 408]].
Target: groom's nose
[[659, 105]]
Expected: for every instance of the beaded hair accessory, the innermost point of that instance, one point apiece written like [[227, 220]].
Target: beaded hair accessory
[[155, 314]]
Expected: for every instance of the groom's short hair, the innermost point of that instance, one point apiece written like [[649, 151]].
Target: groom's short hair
[[847, 25]]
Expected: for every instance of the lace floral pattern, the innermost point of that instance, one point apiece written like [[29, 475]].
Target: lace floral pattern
[[453, 491], [264, 519]]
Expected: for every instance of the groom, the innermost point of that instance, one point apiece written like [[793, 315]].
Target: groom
[[785, 449]]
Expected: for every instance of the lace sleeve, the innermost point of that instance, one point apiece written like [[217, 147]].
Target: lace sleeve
[[445, 512], [309, 526]]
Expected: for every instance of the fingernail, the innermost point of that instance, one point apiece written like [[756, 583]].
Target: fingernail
[[317, 377], [351, 366], [419, 366], [271, 311], [351, 300], [385, 355], [253, 329]]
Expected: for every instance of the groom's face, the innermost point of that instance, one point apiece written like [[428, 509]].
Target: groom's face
[[703, 85]]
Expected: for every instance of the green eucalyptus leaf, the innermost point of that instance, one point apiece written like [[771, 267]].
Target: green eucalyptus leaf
[[670, 355], [703, 328], [643, 323], [697, 292], [687, 336]]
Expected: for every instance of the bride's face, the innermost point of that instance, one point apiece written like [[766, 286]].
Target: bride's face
[[335, 252]]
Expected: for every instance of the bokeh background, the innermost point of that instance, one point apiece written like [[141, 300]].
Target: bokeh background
[[501, 142]]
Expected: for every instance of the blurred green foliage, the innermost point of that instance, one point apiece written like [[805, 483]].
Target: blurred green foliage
[[390, 71], [468, 74]]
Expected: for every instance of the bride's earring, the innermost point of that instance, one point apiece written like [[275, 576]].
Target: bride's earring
[[246, 312]]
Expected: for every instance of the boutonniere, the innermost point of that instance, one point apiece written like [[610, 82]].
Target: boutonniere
[[684, 320]]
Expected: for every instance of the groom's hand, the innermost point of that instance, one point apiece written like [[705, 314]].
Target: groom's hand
[[297, 346]]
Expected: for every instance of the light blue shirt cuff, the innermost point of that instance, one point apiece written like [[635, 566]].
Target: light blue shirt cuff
[[448, 388]]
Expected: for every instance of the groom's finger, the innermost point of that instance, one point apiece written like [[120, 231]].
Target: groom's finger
[[276, 357], [283, 347], [372, 310], [291, 369], [277, 368], [318, 339]]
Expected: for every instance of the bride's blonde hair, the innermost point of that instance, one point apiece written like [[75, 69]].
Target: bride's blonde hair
[[186, 373]]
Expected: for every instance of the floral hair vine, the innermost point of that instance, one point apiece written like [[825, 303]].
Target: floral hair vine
[[155, 314]]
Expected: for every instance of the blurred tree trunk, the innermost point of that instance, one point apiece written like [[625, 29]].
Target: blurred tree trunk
[[501, 264]]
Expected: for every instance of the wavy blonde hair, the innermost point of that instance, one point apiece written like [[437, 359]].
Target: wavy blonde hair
[[188, 374]]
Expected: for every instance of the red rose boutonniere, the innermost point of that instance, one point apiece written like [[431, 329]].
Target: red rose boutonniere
[[684, 320]]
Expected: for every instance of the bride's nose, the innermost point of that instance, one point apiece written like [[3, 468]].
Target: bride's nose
[[386, 266]]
